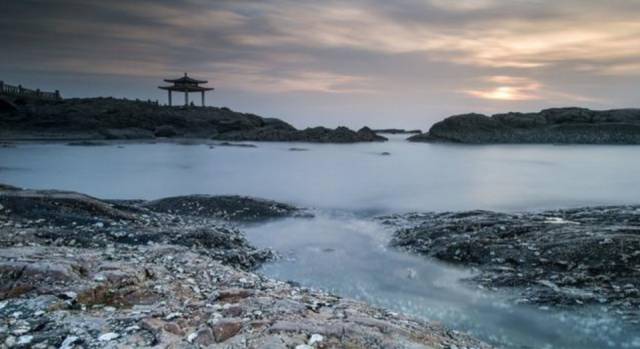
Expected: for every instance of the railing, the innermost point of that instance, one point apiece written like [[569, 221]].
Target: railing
[[17, 91]]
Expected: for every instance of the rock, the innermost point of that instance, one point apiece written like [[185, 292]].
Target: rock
[[226, 329], [69, 342], [563, 258], [165, 131], [303, 346], [239, 145], [203, 337], [108, 337], [24, 340], [7, 106], [69, 295], [233, 208], [315, 338], [110, 118], [312, 134], [559, 125], [125, 133], [166, 280]]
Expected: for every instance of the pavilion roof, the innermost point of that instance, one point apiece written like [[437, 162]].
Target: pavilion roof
[[186, 80], [185, 88]]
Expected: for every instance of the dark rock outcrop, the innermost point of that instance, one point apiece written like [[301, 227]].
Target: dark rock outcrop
[[560, 125], [575, 257], [109, 118], [6, 105], [230, 207], [312, 134]]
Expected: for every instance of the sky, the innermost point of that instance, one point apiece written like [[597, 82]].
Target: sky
[[405, 63]]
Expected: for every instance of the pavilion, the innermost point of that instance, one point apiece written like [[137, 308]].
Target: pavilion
[[186, 84]]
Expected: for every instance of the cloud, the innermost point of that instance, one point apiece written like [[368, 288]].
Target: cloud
[[458, 54]]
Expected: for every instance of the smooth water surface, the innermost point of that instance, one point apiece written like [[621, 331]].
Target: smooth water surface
[[343, 249], [357, 178]]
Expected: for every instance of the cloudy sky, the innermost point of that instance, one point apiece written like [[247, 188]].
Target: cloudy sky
[[381, 63]]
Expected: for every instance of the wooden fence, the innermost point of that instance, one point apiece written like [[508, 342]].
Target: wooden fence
[[17, 91]]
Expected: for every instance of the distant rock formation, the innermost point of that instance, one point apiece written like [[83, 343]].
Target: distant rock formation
[[313, 134], [558, 125], [395, 131], [110, 118]]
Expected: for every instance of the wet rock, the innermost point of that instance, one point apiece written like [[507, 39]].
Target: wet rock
[[170, 280], [233, 208], [565, 258], [60, 207], [239, 145]]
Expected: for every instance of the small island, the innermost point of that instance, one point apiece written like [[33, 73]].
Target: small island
[[30, 118], [552, 126]]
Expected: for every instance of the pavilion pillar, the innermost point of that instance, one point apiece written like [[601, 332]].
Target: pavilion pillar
[[202, 98], [169, 97], [186, 98]]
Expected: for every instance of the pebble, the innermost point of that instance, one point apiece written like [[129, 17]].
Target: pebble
[[315, 338], [173, 316], [303, 346], [69, 342], [108, 337], [24, 340]]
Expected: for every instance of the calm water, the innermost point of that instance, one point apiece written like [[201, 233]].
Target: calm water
[[342, 249]]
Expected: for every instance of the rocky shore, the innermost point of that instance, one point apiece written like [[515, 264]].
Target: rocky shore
[[79, 272], [553, 126], [579, 258], [109, 118]]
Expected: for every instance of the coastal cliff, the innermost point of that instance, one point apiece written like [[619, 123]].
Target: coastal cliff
[[110, 118], [554, 126]]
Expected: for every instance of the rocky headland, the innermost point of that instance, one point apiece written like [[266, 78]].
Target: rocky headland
[[110, 118], [80, 272], [577, 258], [554, 126]]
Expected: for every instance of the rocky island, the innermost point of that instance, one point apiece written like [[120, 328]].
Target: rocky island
[[108, 118], [554, 126], [80, 272], [577, 258]]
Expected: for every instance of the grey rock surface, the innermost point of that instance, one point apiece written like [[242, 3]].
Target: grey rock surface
[[566, 258], [116, 274]]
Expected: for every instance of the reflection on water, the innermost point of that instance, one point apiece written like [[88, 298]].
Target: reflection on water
[[343, 249], [348, 256]]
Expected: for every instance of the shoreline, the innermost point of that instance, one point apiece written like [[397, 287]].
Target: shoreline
[[77, 270]]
